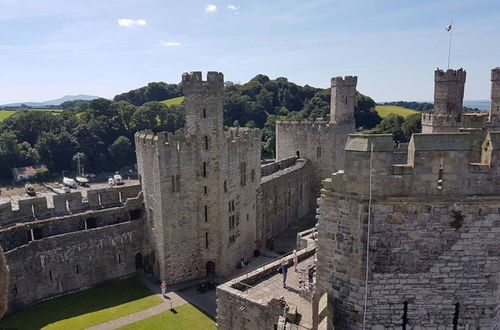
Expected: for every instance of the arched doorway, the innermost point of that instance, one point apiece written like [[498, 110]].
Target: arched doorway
[[138, 261], [298, 154], [210, 268]]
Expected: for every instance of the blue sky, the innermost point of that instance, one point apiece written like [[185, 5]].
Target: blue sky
[[49, 48]]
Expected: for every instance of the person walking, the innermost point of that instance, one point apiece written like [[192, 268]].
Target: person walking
[[163, 287], [295, 260], [283, 269]]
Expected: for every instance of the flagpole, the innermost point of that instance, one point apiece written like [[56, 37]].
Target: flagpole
[[449, 46]]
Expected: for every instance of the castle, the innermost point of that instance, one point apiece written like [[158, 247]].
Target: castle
[[404, 239]]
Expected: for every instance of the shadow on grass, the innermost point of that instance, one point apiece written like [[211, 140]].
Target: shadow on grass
[[105, 295]]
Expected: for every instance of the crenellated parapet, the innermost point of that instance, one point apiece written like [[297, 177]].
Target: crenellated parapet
[[440, 164], [174, 142], [347, 81], [68, 203], [450, 75], [193, 82]]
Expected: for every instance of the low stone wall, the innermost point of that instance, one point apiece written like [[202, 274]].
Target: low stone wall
[[235, 310], [71, 262], [307, 238]]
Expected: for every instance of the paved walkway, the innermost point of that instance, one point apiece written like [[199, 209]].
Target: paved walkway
[[171, 300]]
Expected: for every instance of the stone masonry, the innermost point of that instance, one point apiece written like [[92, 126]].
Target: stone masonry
[[321, 142], [434, 236]]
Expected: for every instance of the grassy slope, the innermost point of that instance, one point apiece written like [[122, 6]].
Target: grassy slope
[[186, 317], [174, 101], [85, 309], [385, 110], [4, 114]]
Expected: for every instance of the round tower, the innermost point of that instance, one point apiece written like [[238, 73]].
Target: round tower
[[343, 99], [203, 102], [495, 97]]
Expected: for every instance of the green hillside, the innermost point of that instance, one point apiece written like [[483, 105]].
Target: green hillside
[[385, 110], [174, 101], [4, 114]]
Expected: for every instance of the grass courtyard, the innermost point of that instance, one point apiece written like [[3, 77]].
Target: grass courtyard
[[81, 310], [385, 110], [185, 317]]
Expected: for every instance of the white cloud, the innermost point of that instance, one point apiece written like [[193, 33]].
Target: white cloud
[[131, 22], [232, 7], [171, 43], [210, 8]]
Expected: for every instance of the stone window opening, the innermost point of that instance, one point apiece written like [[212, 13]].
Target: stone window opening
[[90, 223], [440, 175], [243, 174], [77, 271], [206, 142], [15, 288], [177, 183], [405, 315], [297, 153], [135, 214], [253, 175], [37, 233], [205, 189], [50, 275], [318, 152], [248, 217], [206, 240], [455, 316], [204, 169], [119, 258], [225, 186], [204, 113], [206, 213], [99, 200]]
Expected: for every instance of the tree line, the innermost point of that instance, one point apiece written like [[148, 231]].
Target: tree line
[[100, 132]]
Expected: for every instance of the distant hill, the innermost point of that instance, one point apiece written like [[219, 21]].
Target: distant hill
[[55, 102]]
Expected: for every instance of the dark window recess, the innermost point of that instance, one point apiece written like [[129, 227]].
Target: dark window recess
[[204, 169], [15, 289], [225, 185], [206, 142], [318, 152], [135, 214], [204, 113], [405, 315], [91, 223], [206, 190], [50, 275], [37, 233], [206, 240], [455, 316], [297, 153], [206, 213], [77, 270], [177, 183], [173, 183], [253, 175], [119, 258]]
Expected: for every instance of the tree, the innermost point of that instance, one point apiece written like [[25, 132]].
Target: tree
[[56, 150], [391, 125], [412, 124], [154, 91], [122, 151], [9, 153]]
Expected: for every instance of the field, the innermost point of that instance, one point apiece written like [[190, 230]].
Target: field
[[185, 317], [385, 110], [4, 114], [174, 101], [81, 310]]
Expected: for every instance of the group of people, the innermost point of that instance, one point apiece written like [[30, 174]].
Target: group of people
[[283, 267]]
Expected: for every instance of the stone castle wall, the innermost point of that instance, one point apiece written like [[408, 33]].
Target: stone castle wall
[[283, 197], [4, 284], [434, 235], [73, 251]]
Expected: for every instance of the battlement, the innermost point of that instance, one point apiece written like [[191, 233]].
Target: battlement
[[193, 82], [439, 164], [69, 203], [302, 122], [450, 75], [347, 81], [178, 140], [242, 135], [495, 74]]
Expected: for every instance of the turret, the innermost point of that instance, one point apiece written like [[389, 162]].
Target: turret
[[495, 97], [343, 99], [203, 102]]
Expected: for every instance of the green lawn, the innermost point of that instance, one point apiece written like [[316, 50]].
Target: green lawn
[[174, 101], [4, 114], [185, 317], [106, 302], [385, 110]]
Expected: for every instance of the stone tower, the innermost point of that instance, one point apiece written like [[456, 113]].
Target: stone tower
[[200, 187], [343, 99], [448, 102], [321, 142], [495, 97]]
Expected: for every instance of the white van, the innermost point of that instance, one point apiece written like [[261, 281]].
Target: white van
[[71, 183]]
